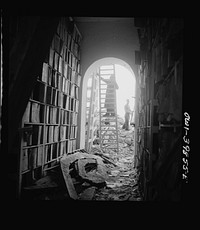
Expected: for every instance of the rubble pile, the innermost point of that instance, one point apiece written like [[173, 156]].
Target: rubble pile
[[103, 175], [83, 173], [122, 183]]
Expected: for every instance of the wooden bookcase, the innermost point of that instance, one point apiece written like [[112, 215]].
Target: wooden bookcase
[[160, 83], [49, 124]]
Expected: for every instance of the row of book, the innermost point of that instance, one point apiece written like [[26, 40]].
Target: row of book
[[67, 132], [52, 115], [74, 91], [58, 62], [57, 98], [55, 79], [63, 29], [65, 117], [70, 104], [73, 77], [74, 118], [38, 156], [71, 60], [70, 89], [61, 63], [58, 44], [60, 133], [66, 25], [51, 152], [67, 102], [34, 135], [52, 95], [53, 133], [34, 113], [66, 147], [71, 146], [66, 87], [32, 158], [64, 132], [69, 38], [68, 117], [73, 132], [75, 105], [71, 118]]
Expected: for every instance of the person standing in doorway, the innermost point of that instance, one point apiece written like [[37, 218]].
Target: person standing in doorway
[[127, 115], [110, 95]]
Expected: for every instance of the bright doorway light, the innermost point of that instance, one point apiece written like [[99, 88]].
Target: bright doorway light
[[126, 83]]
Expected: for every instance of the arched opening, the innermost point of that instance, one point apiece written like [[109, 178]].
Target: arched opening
[[124, 74]]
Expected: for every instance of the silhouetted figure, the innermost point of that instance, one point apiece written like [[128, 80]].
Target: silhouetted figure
[[110, 95], [127, 115]]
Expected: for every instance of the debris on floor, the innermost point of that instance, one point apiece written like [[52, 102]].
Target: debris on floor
[[88, 193], [50, 187], [103, 175], [100, 175], [80, 169]]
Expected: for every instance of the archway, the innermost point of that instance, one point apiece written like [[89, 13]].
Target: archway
[[93, 69]]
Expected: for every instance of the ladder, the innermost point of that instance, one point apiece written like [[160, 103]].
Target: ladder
[[91, 112], [108, 126]]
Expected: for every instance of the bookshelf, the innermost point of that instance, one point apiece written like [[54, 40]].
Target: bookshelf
[[159, 91], [49, 124]]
